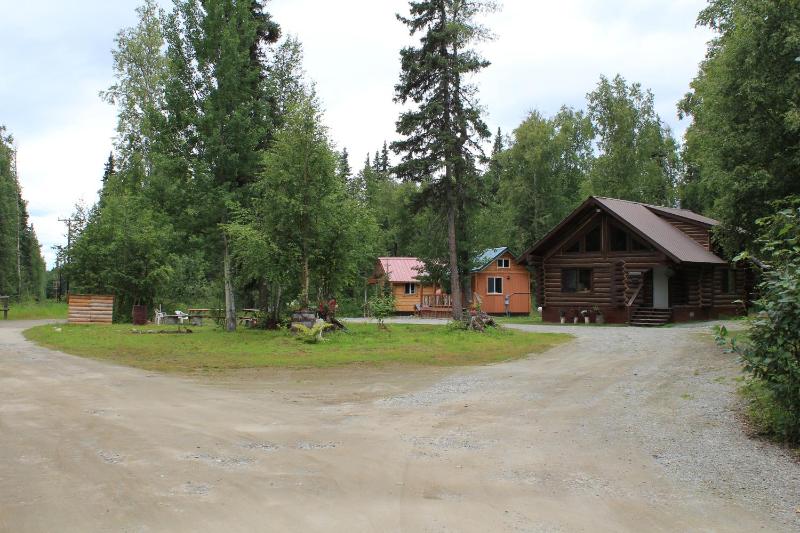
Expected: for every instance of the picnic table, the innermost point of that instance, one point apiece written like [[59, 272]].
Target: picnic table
[[247, 317]]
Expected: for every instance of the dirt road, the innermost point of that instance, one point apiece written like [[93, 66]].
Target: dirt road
[[621, 430]]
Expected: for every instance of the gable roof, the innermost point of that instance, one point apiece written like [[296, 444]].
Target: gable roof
[[485, 258], [402, 269], [644, 222]]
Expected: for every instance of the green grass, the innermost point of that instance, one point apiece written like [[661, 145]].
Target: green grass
[[533, 318], [37, 311], [210, 349]]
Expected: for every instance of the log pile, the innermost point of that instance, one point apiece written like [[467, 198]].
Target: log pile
[[90, 309]]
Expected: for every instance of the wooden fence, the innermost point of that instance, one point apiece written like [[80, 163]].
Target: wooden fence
[[90, 309]]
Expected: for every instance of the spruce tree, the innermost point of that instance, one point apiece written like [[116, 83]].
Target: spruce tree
[[444, 129]]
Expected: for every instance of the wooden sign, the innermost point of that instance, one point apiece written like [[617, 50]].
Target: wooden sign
[[90, 309]]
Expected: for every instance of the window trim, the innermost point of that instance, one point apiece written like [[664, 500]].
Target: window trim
[[491, 285], [504, 263], [412, 287]]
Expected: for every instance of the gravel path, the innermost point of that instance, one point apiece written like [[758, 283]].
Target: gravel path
[[623, 429]]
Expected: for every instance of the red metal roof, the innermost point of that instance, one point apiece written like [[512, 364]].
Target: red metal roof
[[402, 269]]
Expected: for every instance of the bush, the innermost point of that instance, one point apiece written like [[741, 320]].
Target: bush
[[381, 307], [771, 353]]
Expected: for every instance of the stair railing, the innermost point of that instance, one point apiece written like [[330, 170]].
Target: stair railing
[[629, 305]]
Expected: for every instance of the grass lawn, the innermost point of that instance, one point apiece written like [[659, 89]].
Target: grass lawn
[[533, 318], [37, 311], [209, 348]]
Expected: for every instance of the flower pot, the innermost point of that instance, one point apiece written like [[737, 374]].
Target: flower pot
[[599, 319], [586, 320], [575, 320], [563, 320]]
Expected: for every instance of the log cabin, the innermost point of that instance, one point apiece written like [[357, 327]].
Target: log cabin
[[628, 262], [498, 277]]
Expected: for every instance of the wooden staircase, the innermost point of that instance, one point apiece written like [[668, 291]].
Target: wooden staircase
[[645, 317]]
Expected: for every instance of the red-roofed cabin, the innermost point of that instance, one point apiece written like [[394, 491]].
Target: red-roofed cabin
[[635, 263], [410, 294]]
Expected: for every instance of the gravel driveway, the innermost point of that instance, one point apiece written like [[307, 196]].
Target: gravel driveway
[[623, 429]]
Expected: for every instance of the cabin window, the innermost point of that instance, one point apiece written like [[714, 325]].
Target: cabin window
[[619, 240], [638, 246], [573, 248], [576, 280], [411, 288], [503, 263], [594, 240], [495, 286], [728, 281]]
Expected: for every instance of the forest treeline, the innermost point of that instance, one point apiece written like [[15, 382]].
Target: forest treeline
[[22, 268], [224, 187]]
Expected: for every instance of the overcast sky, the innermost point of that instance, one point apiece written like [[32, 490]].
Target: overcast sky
[[55, 58]]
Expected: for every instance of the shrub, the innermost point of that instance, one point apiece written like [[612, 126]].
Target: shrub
[[312, 335], [381, 307], [771, 353]]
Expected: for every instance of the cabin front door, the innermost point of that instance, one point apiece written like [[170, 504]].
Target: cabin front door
[[661, 287]]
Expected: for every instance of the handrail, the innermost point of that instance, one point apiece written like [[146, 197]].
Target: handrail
[[635, 295]]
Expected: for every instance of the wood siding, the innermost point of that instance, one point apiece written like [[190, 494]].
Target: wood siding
[[90, 309], [406, 303], [516, 283]]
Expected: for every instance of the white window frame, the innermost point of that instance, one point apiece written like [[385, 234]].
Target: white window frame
[[504, 263], [410, 289], [491, 285]]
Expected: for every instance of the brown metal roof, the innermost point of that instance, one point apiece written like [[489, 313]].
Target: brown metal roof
[[659, 232], [643, 220], [683, 213], [402, 269]]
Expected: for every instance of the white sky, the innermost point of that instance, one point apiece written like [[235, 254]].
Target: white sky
[[55, 57]]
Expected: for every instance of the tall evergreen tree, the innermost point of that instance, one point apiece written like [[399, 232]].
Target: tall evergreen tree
[[223, 67], [384, 161], [344, 165], [443, 132]]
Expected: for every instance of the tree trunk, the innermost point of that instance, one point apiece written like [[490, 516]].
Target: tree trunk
[[306, 283], [455, 282], [230, 304]]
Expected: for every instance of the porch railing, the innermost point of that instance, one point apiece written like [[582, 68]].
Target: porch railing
[[437, 300]]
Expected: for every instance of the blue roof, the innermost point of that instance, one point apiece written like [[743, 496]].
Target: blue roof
[[483, 259]]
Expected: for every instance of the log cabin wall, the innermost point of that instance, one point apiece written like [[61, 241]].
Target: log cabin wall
[[607, 267], [406, 303]]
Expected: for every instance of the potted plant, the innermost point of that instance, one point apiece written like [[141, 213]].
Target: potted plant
[[563, 315], [575, 318], [598, 315], [585, 315]]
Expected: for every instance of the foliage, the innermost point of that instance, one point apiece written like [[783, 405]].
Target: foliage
[[771, 353], [381, 307], [124, 251], [22, 268], [312, 335], [542, 173], [637, 157], [742, 148], [208, 349]]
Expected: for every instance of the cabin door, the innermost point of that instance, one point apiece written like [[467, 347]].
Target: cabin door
[[661, 287]]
